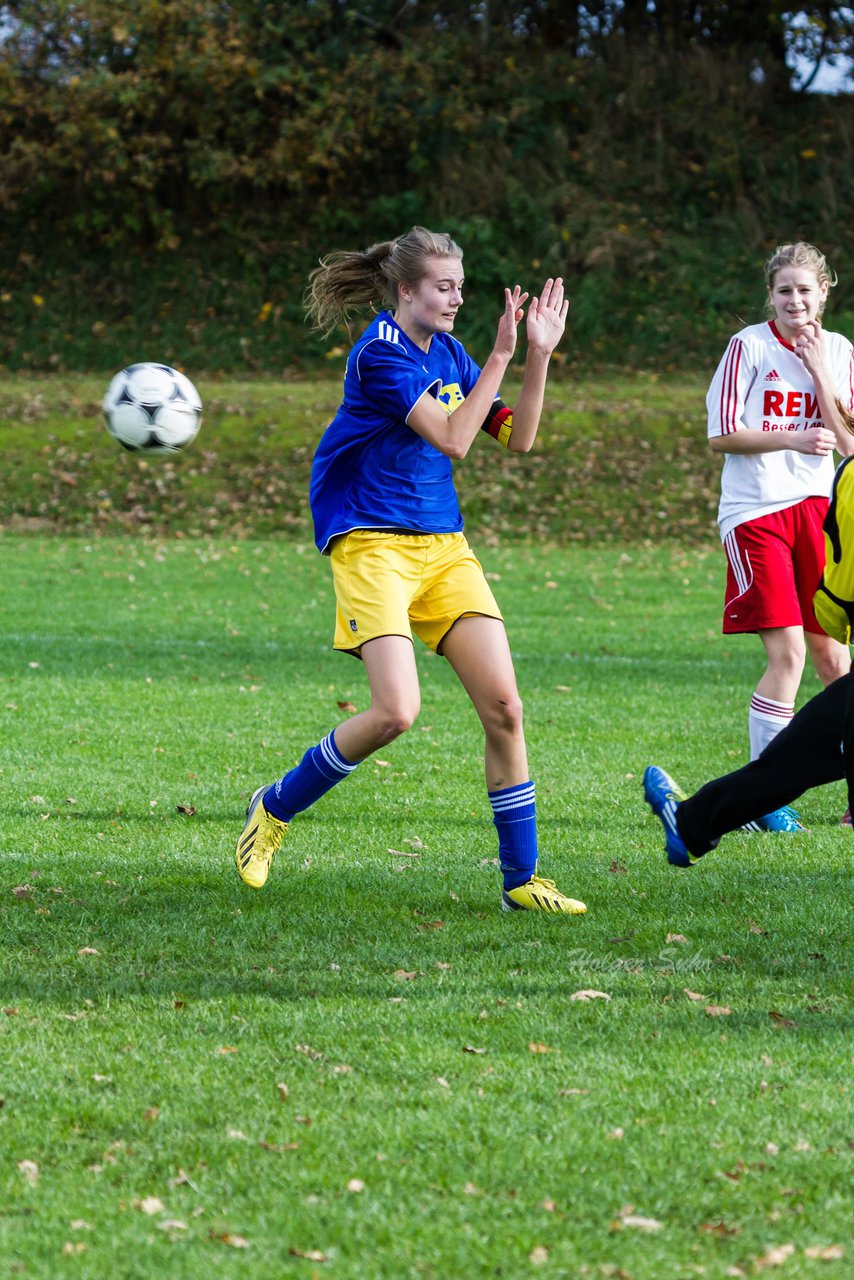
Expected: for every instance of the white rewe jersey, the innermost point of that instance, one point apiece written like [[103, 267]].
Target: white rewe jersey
[[762, 384]]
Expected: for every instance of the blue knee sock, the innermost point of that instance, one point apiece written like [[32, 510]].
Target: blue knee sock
[[515, 816], [318, 771]]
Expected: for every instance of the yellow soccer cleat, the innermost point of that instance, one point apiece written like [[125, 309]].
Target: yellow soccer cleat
[[540, 895], [258, 842]]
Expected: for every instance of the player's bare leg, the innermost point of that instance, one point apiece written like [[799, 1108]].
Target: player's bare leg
[[479, 653]]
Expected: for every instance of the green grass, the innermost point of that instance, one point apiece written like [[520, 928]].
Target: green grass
[[450, 1110], [617, 457]]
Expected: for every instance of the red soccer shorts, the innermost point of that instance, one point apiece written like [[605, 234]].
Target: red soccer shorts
[[774, 565]]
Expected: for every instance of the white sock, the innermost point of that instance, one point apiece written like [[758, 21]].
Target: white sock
[[765, 721]]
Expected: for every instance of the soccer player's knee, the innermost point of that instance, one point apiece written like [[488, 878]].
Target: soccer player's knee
[[396, 720], [508, 714]]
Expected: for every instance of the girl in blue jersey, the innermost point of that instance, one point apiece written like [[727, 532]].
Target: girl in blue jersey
[[386, 512]]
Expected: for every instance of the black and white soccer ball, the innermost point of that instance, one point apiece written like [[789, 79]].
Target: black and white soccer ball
[[151, 408]]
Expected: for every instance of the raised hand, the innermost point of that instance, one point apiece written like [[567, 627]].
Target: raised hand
[[809, 345], [505, 340], [547, 317]]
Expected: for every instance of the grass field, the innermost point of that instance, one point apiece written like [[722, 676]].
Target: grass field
[[618, 456], [366, 1070]]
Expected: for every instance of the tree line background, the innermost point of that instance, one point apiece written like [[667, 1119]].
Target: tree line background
[[170, 170]]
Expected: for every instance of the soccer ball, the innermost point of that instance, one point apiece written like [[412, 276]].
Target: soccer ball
[[150, 408]]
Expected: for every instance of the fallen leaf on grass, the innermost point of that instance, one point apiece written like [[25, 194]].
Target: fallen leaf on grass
[[571, 1093], [402, 853], [313, 1255], [226, 1048], [717, 1010], [826, 1253], [226, 1237], [284, 1091], [616, 1135], [538, 1255], [171, 1224], [278, 1146], [30, 1171], [675, 937], [431, 924], [616, 869], [774, 1257], [405, 975], [780, 1019], [588, 993], [150, 1205], [347, 706], [22, 891], [10, 1012], [73, 1246], [187, 809], [87, 951], [150, 1114], [536, 1046], [718, 1229], [692, 995], [356, 1186], [636, 1222]]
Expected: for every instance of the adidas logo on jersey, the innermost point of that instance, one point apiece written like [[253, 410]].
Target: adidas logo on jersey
[[773, 376], [388, 331]]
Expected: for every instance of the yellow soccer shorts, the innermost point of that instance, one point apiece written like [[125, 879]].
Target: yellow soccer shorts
[[394, 584]]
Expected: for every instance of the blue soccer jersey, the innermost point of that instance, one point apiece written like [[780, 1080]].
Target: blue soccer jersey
[[371, 470]]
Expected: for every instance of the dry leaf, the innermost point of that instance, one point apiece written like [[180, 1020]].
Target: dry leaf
[[226, 1048], [536, 1046], [151, 1205], [443, 1082], [187, 809], [470, 1048], [71, 1247], [356, 1185], [284, 1091], [616, 869], [30, 1171], [405, 975], [587, 993], [826, 1253], [692, 995], [171, 1224], [150, 1114], [402, 853], [347, 706], [780, 1019], [87, 951], [538, 1255], [313, 1255], [234, 1242], [774, 1257], [616, 1135], [718, 1229], [638, 1223], [675, 937], [717, 1010]]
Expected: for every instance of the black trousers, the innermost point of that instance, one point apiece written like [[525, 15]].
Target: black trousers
[[817, 746]]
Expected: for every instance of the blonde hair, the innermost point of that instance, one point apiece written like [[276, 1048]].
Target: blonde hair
[[799, 254], [346, 281]]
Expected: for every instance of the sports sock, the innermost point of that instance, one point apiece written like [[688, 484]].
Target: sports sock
[[318, 771], [765, 721], [514, 813]]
